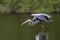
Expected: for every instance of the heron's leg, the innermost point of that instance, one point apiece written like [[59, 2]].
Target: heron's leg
[[43, 28]]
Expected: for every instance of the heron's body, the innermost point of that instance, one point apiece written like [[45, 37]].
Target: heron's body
[[41, 16]]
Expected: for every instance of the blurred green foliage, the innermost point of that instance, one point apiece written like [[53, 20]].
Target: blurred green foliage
[[29, 5]]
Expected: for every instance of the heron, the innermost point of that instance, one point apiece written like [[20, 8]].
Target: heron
[[38, 18], [41, 17]]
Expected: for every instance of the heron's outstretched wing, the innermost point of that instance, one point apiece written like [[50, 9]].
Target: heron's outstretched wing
[[41, 14], [35, 14]]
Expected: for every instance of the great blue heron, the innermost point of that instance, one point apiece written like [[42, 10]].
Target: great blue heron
[[42, 17], [38, 18]]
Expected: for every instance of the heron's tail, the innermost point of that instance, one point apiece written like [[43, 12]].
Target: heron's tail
[[28, 20]]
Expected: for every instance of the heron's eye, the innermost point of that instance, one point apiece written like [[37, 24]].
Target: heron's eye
[[34, 20]]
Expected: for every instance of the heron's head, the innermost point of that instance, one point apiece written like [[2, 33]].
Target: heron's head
[[30, 22]]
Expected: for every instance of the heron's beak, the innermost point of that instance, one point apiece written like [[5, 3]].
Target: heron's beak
[[26, 21]]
